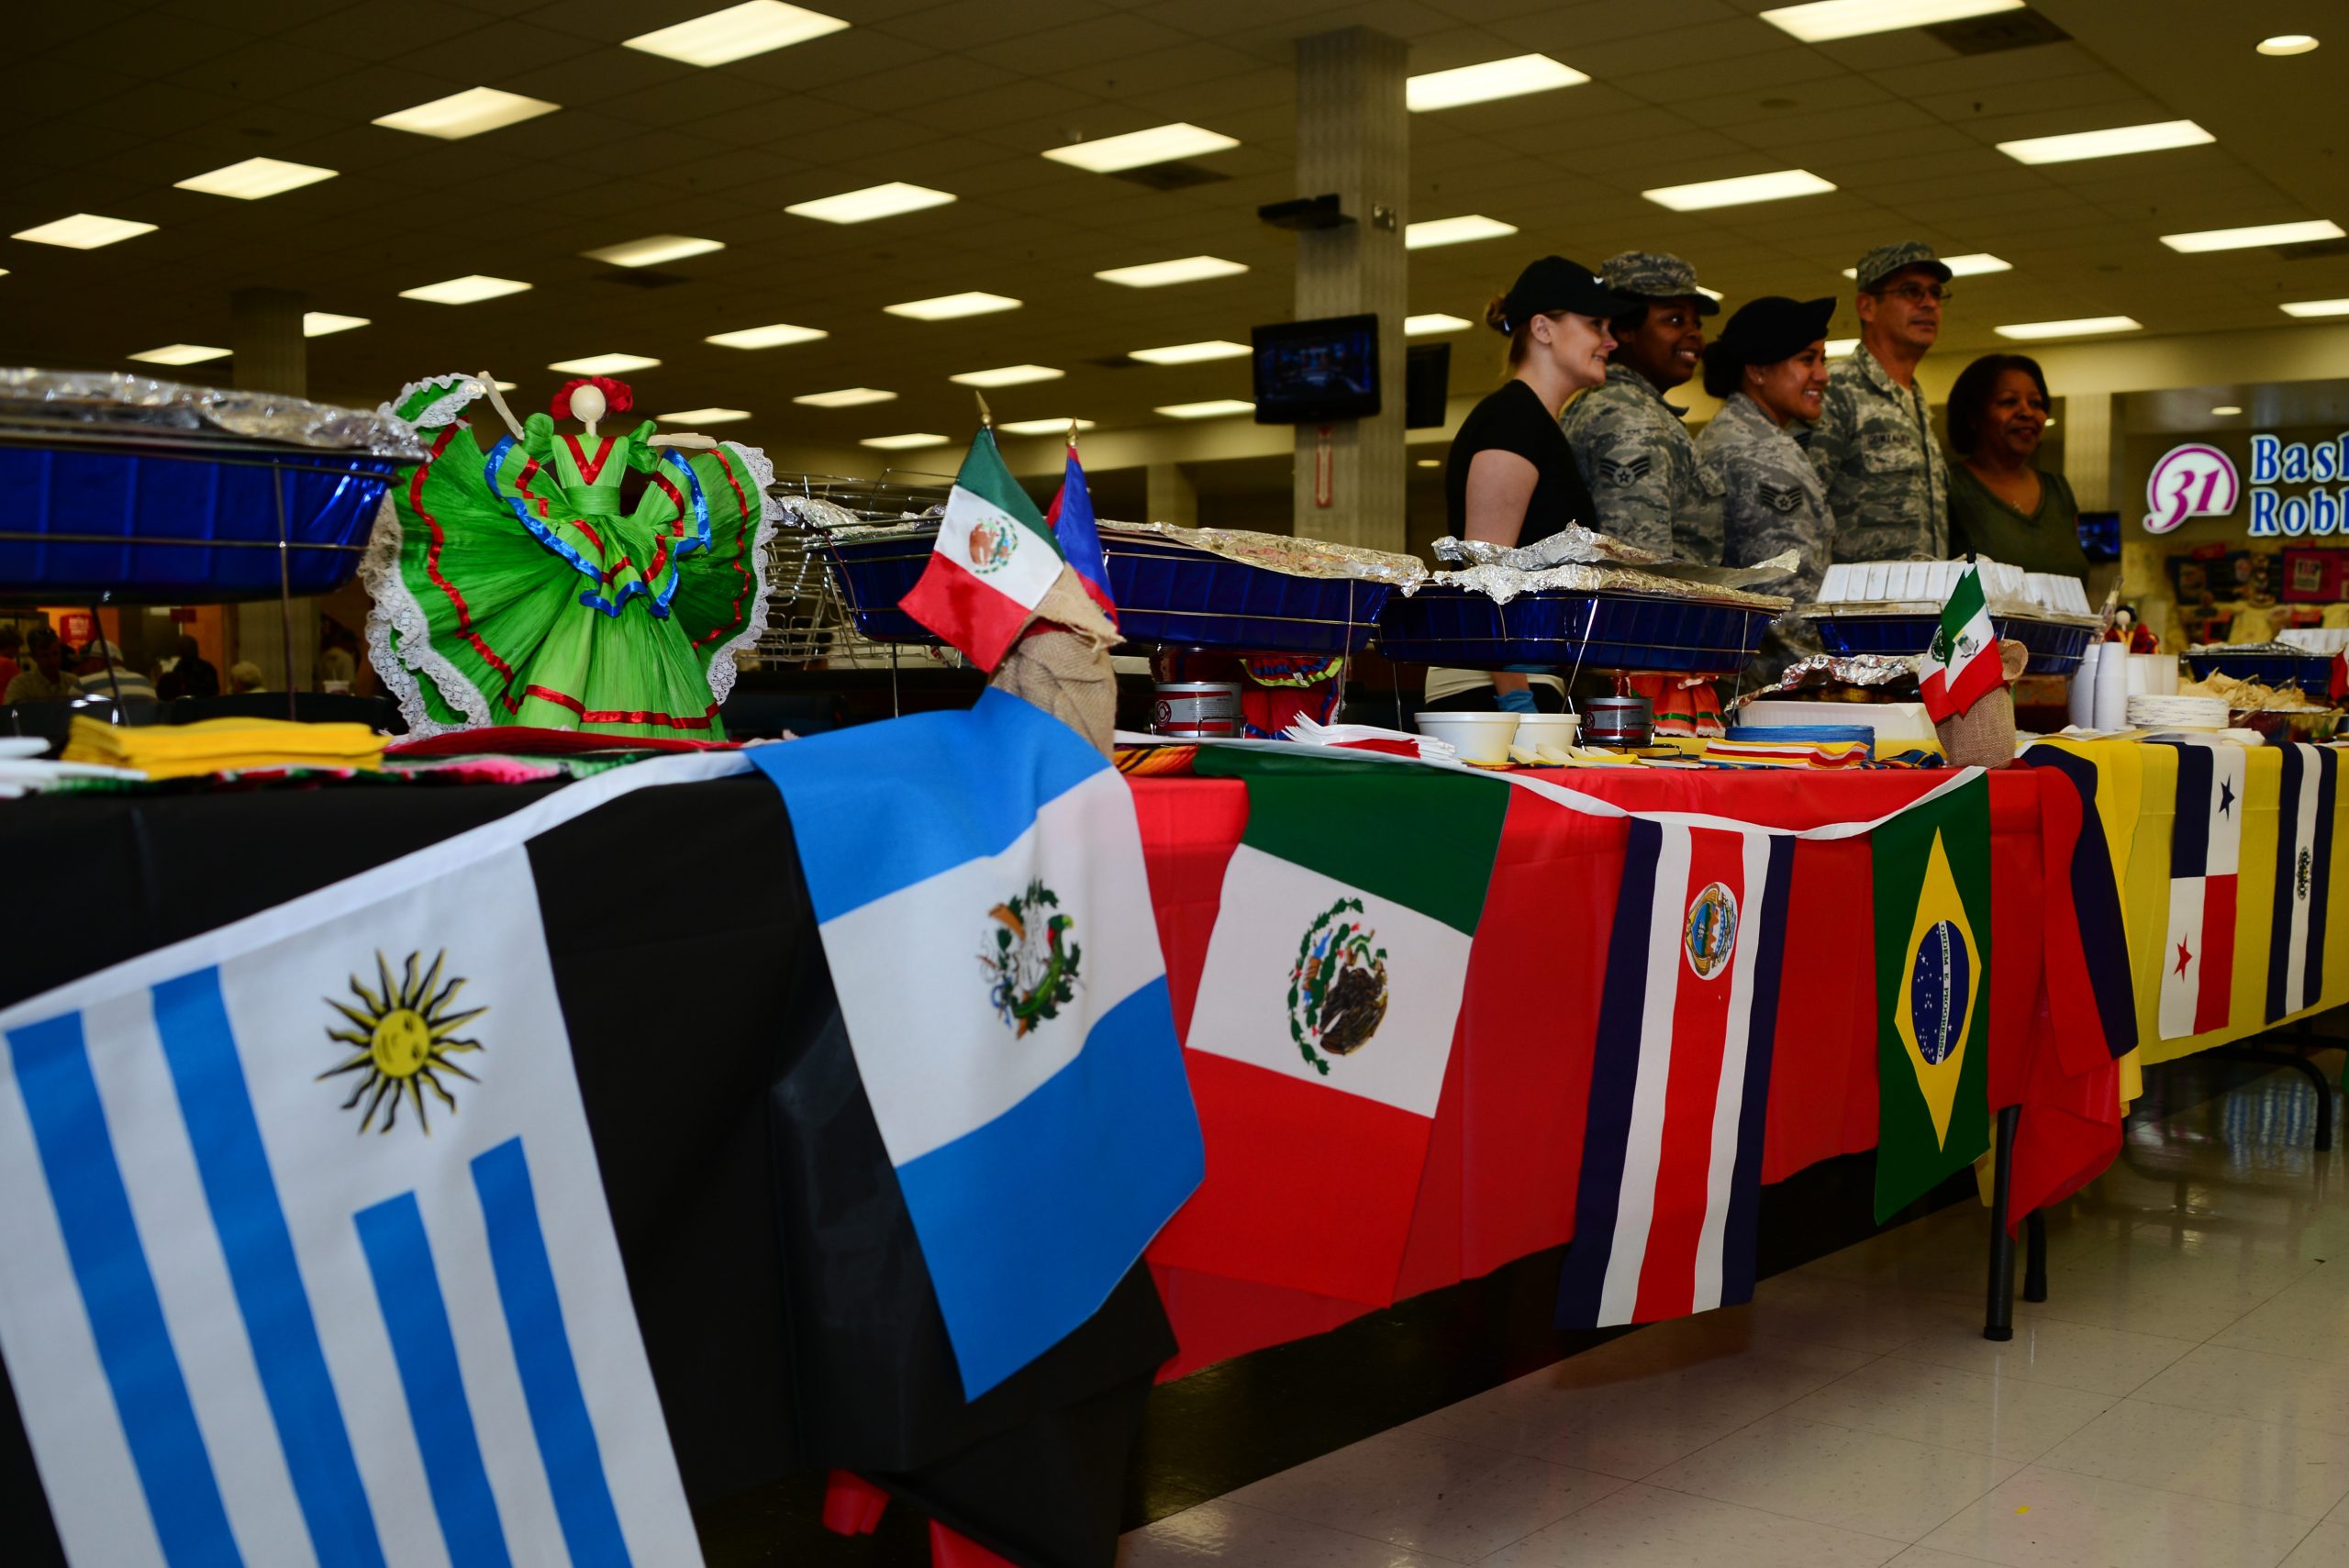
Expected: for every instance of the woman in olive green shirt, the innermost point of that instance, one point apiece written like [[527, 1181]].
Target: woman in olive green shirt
[[2001, 504]]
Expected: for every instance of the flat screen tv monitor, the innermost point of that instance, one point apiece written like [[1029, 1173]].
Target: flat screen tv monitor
[[2100, 535], [1308, 372], [1427, 385]]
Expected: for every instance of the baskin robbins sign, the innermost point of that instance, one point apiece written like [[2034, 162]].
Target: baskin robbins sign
[[2198, 480]]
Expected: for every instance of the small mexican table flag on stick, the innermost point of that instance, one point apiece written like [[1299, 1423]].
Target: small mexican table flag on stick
[[994, 560], [1962, 665]]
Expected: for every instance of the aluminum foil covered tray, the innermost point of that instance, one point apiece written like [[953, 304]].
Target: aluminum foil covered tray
[[147, 491], [1173, 586]]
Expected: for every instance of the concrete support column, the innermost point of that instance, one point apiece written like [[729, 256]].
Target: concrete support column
[[2093, 442], [1353, 137], [265, 331], [1172, 495]]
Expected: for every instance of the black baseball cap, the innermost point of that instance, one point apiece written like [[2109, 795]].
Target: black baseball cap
[[1555, 283], [1773, 327]]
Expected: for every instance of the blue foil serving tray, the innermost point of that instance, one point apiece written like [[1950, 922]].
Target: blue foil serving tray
[[2312, 673], [158, 525], [1166, 592], [1466, 629], [2055, 647]]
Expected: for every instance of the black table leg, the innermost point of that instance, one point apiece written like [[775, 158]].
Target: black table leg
[[1998, 1321], [2034, 1256]]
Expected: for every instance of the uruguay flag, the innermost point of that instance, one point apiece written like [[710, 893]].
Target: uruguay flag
[[979, 885], [1071, 516], [304, 1256]]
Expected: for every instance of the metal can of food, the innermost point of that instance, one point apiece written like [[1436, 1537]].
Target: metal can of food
[[1193, 709], [1618, 721]]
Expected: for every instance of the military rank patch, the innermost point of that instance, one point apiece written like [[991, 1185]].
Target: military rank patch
[[1783, 499], [1620, 472]]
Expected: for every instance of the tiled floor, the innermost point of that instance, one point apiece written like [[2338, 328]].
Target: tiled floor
[[2180, 1401]]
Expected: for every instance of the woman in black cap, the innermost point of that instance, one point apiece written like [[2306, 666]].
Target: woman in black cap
[[1769, 368], [1510, 478]]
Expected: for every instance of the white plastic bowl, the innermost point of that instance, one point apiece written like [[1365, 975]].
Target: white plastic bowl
[[1555, 730], [1476, 736]]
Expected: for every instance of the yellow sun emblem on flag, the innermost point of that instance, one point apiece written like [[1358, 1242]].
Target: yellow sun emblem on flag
[[404, 1037]]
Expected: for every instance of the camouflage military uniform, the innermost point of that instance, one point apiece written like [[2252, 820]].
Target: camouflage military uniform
[[1640, 465], [1772, 500], [1886, 481]]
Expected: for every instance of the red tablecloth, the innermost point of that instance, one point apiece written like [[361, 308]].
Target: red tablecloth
[[1501, 1170]]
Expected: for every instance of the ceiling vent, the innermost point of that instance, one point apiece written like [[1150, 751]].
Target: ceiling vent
[[1997, 32], [1169, 176], [643, 278]]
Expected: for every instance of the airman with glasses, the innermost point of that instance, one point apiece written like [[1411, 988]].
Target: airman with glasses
[[1886, 481]]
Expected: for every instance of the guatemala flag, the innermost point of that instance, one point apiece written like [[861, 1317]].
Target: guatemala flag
[[1071, 516], [979, 883], [304, 1256]]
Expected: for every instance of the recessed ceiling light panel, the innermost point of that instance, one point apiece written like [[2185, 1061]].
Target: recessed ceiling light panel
[[603, 364], [1007, 375], [653, 250], [1777, 186], [1432, 322], [846, 397], [1192, 353], [1509, 78], [84, 231], [469, 113], [736, 33], [1213, 408], [1841, 348], [2226, 411], [1159, 274], [1454, 231], [1829, 19], [2287, 43], [781, 334], [2113, 143], [705, 416], [180, 354], [1042, 426], [471, 289], [326, 323], [874, 201], [2079, 326], [2314, 309], [2256, 235], [255, 178], [1967, 266], [946, 307], [909, 442], [1140, 149]]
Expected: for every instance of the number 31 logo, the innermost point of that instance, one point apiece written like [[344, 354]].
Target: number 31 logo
[[2191, 481]]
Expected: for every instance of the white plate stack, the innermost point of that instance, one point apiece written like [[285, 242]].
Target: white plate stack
[[2149, 712]]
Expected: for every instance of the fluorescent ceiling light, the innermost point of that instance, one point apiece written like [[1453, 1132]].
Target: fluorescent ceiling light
[[1432, 322], [946, 307], [874, 201], [2079, 144], [469, 113], [1042, 426], [1967, 266], [705, 416], [1427, 462], [1007, 375], [1717, 296], [2257, 233], [1829, 19], [1777, 186], [1192, 353], [847, 397], [906, 442], [1454, 231], [1838, 347], [603, 365], [2310, 309], [2080, 327], [255, 178], [653, 250], [84, 231], [1158, 274], [736, 33], [1140, 149], [468, 290], [182, 354], [326, 323], [2287, 43], [1213, 408], [2226, 411], [781, 334], [1509, 78]]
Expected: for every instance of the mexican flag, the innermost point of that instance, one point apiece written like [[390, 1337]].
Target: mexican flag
[[1962, 665], [1327, 1009], [994, 560], [1933, 950]]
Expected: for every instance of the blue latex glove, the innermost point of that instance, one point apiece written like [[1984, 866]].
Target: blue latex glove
[[1517, 702]]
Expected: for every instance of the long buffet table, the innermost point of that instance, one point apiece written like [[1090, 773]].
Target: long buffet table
[[759, 1243]]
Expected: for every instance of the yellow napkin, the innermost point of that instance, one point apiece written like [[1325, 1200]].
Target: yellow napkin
[[221, 745]]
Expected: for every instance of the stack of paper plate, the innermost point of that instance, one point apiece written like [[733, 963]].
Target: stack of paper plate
[[2178, 713]]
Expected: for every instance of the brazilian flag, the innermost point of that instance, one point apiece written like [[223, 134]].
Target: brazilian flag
[[1933, 967]]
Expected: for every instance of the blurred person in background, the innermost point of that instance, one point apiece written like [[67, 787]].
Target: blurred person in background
[[44, 677], [245, 676], [2002, 505], [104, 674], [190, 675]]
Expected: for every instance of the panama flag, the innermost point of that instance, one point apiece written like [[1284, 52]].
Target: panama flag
[[979, 886], [1672, 1153], [1327, 1006], [994, 561], [2305, 795], [2205, 846], [1962, 665], [304, 1256], [1071, 515]]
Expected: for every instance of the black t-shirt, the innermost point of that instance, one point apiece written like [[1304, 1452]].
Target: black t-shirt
[[1513, 420]]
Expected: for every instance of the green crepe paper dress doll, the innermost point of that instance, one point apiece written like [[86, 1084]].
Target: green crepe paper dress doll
[[516, 584]]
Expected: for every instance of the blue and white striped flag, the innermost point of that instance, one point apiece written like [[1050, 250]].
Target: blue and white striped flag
[[304, 1256], [979, 885]]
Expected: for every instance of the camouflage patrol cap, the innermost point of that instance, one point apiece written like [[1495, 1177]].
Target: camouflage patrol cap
[[1885, 260], [1654, 274]]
